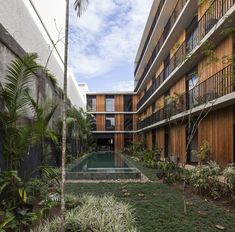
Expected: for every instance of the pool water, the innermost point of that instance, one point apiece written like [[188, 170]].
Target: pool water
[[103, 165]]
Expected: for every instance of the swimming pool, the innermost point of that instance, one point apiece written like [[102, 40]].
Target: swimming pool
[[103, 165]]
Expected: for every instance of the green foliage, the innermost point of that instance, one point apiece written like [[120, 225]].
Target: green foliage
[[11, 223], [203, 152], [79, 130], [102, 214], [41, 133], [161, 207], [228, 28], [149, 158], [16, 138], [208, 50], [51, 77], [229, 174], [205, 179], [202, 2], [168, 171], [133, 149]]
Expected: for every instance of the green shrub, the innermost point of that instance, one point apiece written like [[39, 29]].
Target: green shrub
[[101, 214], [205, 179], [229, 174], [168, 171], [149, 158], [133, 149]]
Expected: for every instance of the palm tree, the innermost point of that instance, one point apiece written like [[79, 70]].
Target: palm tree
[[41, 133], [14, 96], [80, 6], [79, 129]]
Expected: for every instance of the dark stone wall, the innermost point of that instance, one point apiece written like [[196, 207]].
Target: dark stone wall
[[41, 86]]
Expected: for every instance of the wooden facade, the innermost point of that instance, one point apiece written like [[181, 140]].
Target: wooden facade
[[193, 83], [217, 129], [118, 132], [213, 78]]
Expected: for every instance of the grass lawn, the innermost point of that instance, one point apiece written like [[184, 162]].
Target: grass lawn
[[161, 207]]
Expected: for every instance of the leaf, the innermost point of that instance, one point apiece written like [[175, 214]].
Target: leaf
[[202, 213], [220, 227], [127, 194], [141, 194], [23, 194], [7, 221]]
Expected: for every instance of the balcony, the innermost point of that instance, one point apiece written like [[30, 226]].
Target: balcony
[[205, 24], [169, 25], [216, 86], [111, 129], [177, 59], [150, 33]]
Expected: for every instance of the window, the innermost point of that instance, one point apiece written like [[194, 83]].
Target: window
[[128, 140], [192, 89], [128, 122], [154, 107], [192, 35], [110, 122], [167, 67], [109, 103], [127, 103], [91, 103], [154, 139]]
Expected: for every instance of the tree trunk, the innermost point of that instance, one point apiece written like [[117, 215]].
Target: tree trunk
[[64, 118]]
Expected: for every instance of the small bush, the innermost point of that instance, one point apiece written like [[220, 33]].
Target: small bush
[[101, 214], [229, 174], [205, 179], [150, 158], [168, 171]]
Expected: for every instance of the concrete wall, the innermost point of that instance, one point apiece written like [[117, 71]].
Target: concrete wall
[[9, 50], [24, 25]]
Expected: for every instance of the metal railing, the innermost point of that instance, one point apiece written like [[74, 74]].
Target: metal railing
[[176, 60], [117, 127], [159, 9], [170, 23], [213, 14], [216, 86], [205, 24]]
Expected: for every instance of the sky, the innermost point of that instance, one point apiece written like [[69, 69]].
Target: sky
[[103, 43]]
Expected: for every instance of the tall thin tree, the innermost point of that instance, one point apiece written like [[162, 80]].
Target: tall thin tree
[[80, 6]]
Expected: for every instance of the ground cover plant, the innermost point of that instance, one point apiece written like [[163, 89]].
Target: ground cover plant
[[159, 207], [101, 214]]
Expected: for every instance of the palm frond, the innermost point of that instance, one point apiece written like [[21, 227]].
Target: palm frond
[[80, 6], [18, 78], [50, 114]]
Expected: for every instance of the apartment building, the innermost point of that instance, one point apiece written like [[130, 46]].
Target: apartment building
[[114, 117], [184, 83], [184, 79]]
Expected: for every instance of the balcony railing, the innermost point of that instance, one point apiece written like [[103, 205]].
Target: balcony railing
[[216, 86], [117, 127], [169, 25], [214, 13], [176, 59], [159, 9], [205, 24]]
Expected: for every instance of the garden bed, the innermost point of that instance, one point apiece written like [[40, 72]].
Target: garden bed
[[155, 203]]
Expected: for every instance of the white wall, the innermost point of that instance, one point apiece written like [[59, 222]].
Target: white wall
[[21, 21]]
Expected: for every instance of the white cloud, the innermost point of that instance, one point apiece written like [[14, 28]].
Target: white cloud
[[123, 86], [107, 35]]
